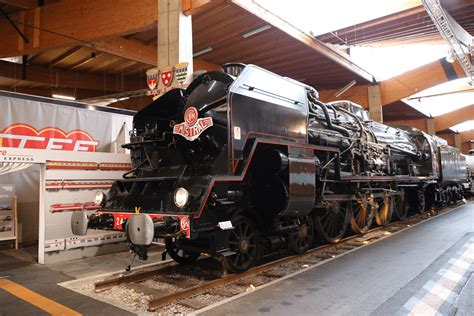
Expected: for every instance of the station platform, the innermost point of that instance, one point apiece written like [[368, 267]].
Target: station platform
[[28, 288], [425, 270]]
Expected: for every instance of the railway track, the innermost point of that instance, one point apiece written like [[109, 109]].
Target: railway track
[[188, 285]]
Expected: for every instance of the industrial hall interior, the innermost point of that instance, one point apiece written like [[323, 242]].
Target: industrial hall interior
[[237, 157]]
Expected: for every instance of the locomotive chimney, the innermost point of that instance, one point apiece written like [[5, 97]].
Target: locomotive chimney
[[233, 69]]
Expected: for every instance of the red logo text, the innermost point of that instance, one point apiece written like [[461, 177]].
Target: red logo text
[[51, 138]]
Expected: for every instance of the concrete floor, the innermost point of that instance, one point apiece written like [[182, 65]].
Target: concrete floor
[[393, 276], [21, 268]]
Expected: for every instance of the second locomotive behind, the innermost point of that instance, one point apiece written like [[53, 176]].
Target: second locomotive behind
[[244, 164]]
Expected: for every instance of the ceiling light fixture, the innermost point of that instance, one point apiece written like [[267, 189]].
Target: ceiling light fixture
[[256, 31], [202, 52], [345, 88], [63, 97]]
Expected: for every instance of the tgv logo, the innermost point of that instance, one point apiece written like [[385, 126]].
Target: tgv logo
[[26, 136]]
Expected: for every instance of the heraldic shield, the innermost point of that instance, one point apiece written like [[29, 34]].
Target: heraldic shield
[[181, 72], [152, 78], [167, 75]]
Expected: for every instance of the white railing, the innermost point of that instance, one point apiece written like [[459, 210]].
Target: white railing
[[459, 49]]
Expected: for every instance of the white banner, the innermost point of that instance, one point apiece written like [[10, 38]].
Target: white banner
[[29, 122], [42, 123]]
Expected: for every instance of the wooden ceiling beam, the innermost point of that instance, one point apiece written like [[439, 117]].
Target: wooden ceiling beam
[[450, 119], [71, 22], [362, 27], [199, 64], [71, 79], [47, 92], [407, 18], [191, 7], [419, 79], [108, 65], [311, 42], [147, 54], [84, 61], [23, 4], [64, 56], [358, 94], [254, 46], [122, 65], [467, 136], [128, 48]]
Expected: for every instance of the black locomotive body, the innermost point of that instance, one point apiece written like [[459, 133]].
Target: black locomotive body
[[245, 164]]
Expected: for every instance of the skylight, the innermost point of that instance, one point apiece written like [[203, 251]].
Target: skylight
[[463, 127], [439, 105], [15, 59], [390, 61], [443, 98], [320, 17]]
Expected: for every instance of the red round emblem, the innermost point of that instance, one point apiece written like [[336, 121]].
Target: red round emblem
[[184, 223], [191, 116]]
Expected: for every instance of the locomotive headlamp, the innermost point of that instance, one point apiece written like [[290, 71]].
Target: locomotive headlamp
[[181, 197], [99, 198]]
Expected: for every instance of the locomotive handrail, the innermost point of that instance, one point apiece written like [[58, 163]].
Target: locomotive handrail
[[406, 151]]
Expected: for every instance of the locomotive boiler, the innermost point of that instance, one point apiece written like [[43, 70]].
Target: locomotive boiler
[[245, 163]]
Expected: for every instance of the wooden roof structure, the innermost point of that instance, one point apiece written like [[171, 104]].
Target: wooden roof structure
[[97, 48]]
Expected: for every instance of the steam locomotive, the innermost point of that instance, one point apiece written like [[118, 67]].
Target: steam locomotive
[[244, 163]]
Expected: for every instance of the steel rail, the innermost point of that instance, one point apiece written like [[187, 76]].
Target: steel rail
[[159, 302], [198, 289]]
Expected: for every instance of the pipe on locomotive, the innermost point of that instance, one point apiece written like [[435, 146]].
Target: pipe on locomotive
[[356, 118], [313, 101]]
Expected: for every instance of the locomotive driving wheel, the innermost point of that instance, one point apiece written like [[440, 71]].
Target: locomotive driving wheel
[[400, 205], [179, 255], [420, 201], [459, 194], [302, 238], [244, 241], [362, 215], [331, 224], [384, 211], [449, 196]]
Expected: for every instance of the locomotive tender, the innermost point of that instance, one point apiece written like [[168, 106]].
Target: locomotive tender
[[244, 163]]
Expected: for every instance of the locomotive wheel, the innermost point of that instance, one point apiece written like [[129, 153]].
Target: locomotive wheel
[[400, 205], [429, 198], [179, 255], [383, 215], [303, 237], [454, 194], [331, 225], [418, 201], [421, 202], [449, 196], [244, 241], [362, 216]]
